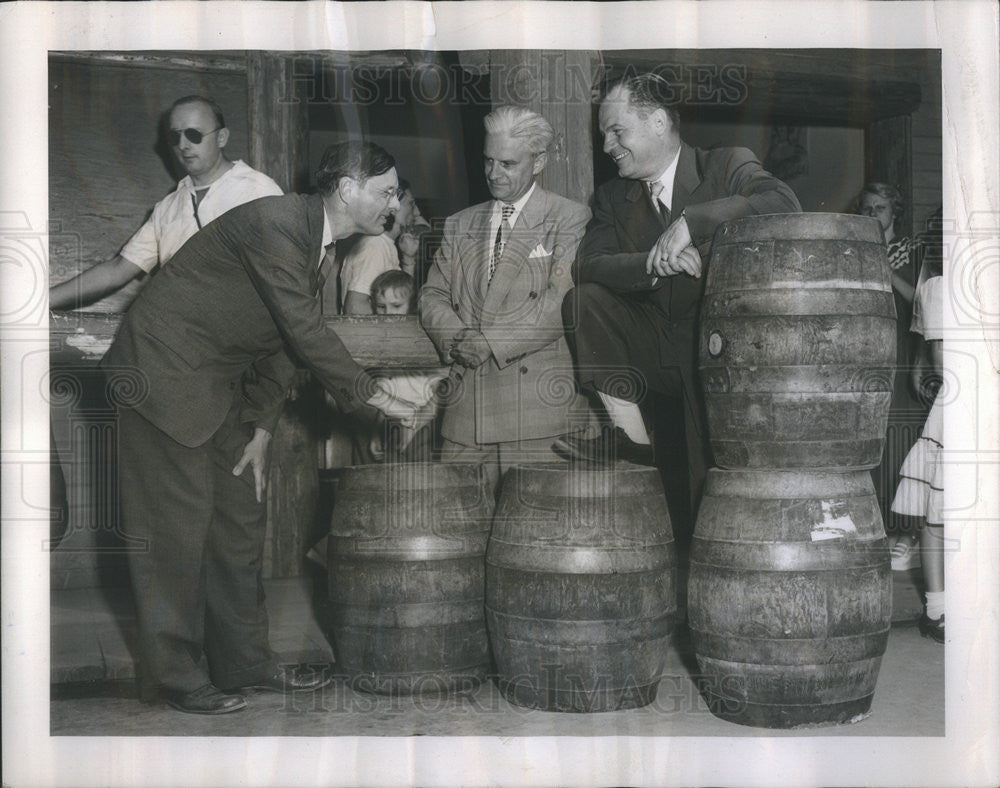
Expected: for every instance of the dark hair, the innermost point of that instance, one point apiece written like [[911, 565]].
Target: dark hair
[[886, 192], [403, 186], [354, 159], [394, 279], [194, 99], [649, 92]]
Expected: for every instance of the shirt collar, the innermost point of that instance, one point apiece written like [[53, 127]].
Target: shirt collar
[[518, 206], [187, 184], [327, 235], [327, 230], [667, 179]]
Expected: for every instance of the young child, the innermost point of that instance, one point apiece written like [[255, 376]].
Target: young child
[[920, 491], [393, 293]]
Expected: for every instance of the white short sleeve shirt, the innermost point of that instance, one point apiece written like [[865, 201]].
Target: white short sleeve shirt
[[173, 220]]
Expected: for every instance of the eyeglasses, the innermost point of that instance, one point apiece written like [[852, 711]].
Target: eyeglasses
[[194, 135]]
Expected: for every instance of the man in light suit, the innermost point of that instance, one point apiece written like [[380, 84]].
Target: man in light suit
[[492, 301], [207, 348], [631, 319]]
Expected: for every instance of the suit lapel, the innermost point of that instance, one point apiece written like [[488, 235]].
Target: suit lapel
[[314, 226], [686, 180], [474, 260], [642, 222], [524, 237]]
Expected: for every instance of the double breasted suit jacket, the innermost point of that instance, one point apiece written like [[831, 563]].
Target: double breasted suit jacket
[[526, 389], [710, 187], [219, 324]]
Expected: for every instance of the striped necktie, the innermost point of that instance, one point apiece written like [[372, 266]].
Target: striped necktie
[[501, 239]]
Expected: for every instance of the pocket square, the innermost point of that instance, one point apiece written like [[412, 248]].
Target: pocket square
[[539, 251]]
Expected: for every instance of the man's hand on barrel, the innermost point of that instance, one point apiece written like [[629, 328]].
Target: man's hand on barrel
[[391, 404], [255, 455], [470, 348], [673, 253]]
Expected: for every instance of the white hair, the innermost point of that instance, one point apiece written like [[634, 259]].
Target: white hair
[[521, 123]]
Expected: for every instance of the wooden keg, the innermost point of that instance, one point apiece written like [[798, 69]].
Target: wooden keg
[[406, 572], [797, 344], [581, 580], [790, 596]]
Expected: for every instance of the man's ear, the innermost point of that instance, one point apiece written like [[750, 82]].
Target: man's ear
[[660, 120], [347, 188], [540, 161], [223, 137]]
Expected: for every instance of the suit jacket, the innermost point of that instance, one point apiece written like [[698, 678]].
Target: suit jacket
[[710, 187], [525, 390], [216, 327]]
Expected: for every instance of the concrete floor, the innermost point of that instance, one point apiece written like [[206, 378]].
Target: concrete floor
[[93, 692]]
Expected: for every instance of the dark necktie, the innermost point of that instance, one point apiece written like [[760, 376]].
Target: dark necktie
[[655, 190], [501, 240], [327, 290]]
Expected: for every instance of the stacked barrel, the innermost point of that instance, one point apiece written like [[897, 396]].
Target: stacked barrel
[[790, 587]]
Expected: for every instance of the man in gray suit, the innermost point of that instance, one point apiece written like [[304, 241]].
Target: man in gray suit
[[492, 304], [209, 343]]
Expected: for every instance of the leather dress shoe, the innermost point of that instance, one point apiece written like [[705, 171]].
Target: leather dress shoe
[[205, 700], [290, 681], [931, 628], [611, 445]]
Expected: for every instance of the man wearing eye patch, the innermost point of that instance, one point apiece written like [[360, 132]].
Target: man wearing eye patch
[[197, 135]]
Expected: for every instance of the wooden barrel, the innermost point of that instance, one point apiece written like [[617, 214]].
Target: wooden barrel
[[790, 596], [581, 580], [406, 572], [797, 344]]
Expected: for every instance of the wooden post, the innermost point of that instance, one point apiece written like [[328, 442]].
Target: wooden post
[[889, 159], [558, 85], [278, 120], [279, 147]]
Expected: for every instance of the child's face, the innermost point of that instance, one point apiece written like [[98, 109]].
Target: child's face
[[393, 302]]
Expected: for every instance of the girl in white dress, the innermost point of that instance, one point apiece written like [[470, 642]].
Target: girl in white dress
[[920, 492]]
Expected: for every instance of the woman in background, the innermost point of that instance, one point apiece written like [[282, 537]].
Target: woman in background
[[884, 203]]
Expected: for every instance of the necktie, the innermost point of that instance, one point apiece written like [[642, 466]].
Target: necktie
[[326, 286], [655, 190], [501, 240]]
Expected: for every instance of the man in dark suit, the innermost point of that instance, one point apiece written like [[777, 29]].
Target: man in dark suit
[[210, 343], [492, 304], [631, 319]]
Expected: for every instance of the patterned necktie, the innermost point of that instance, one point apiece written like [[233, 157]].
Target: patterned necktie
[[655, 189], [327, 290], [501, 240]]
